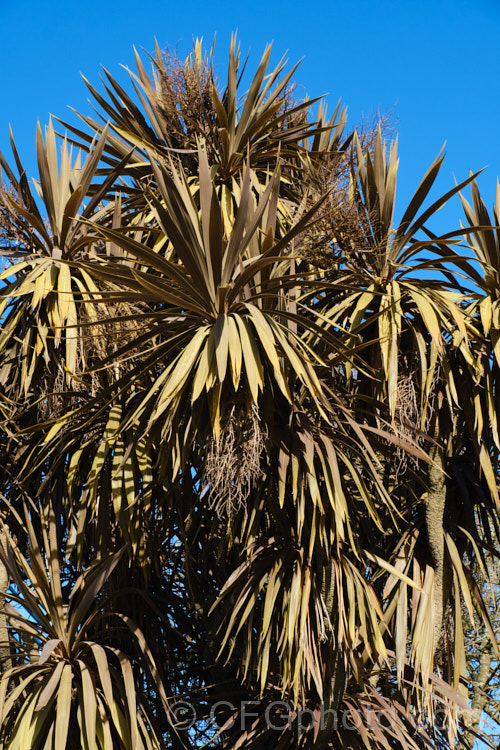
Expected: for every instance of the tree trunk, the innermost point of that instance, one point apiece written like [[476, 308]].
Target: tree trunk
[[480, 696], [434, 520], [5, 660], [335, 679]]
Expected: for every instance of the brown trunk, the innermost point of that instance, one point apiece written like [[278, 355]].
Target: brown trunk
[[480, 696], [434, 521], [335, 679], [5, 660]]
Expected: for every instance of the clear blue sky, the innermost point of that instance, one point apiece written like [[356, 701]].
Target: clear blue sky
[[434, 63]]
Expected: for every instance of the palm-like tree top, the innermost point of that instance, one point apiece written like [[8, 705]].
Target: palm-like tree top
[[246, 419]]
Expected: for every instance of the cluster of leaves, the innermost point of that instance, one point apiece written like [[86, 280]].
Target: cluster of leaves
[[249, 425]]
